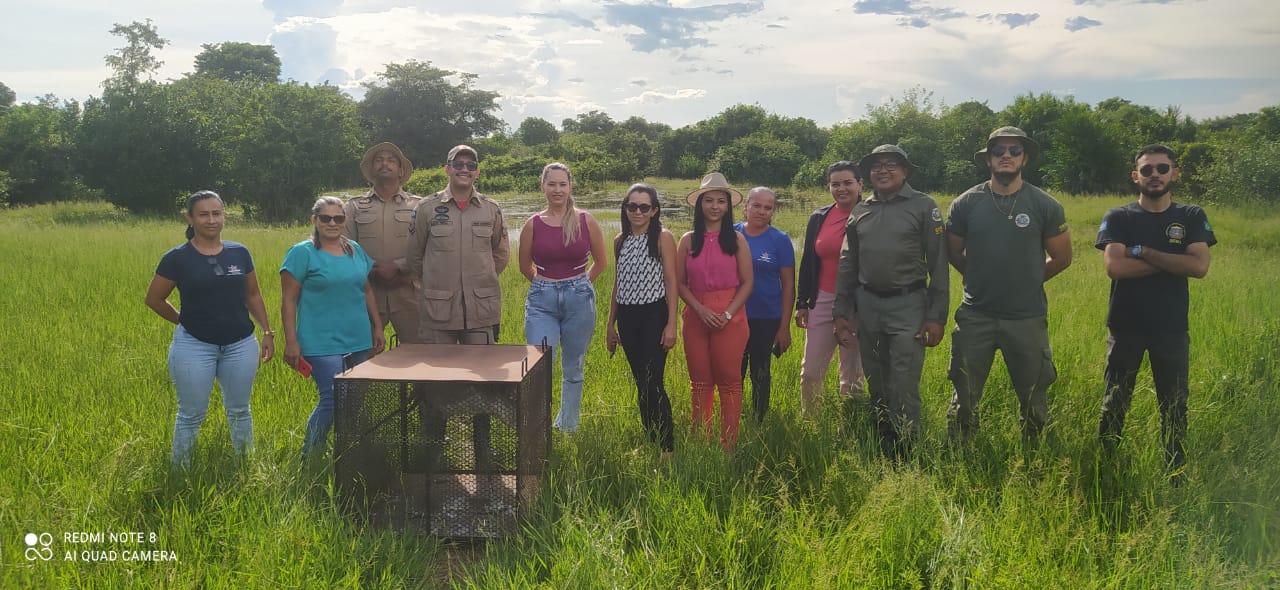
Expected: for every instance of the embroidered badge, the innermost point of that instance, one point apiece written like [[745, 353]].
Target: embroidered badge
[[1175, 231], [1022, 220], [937, 214]]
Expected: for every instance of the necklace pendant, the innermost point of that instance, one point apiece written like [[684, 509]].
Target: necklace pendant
[[1010, 217]]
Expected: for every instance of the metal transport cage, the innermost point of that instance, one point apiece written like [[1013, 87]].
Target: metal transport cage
[[449, 439]]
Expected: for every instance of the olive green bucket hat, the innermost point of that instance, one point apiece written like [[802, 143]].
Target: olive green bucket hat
[[865, 163], [1032, 148]]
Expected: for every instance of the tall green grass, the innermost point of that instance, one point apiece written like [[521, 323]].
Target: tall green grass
[[86, 416]]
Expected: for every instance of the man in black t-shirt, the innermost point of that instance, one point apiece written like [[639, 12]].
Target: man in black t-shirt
[[1149, 249]]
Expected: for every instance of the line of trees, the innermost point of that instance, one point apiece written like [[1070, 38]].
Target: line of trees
[[272, 146]]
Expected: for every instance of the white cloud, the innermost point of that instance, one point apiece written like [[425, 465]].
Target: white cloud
[[652, 96]]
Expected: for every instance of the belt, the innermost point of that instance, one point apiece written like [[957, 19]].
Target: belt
[[885, 294]]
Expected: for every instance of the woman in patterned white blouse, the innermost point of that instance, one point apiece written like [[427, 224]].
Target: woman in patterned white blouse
[[644, 306]]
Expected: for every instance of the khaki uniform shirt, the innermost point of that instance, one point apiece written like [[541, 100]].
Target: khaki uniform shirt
[[459, 254], [891, 244], [382, 229]]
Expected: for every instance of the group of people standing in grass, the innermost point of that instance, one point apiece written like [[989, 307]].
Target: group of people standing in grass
[[873, 286]]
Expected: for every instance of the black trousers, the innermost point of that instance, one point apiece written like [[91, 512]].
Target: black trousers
[[756, 358], [1168, 354], [640, 330]]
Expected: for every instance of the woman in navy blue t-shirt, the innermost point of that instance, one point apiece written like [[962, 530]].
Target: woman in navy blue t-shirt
[[214, 336]]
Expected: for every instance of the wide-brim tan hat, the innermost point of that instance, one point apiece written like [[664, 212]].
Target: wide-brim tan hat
[[1029, 145], [715, 182], [366, 163]]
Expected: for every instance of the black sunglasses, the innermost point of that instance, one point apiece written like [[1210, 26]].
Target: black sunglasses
[[339, 219], [459, 165], [217, 268], [1161, 168], [641, 207], [999, 150]]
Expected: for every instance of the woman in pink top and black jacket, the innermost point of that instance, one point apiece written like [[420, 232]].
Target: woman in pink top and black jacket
[[714, 278], [561, 307]]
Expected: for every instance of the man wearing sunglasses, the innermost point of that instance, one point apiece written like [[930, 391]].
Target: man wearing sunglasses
[[893, 274], [1006, 237], [379, 221], [1149, 249]]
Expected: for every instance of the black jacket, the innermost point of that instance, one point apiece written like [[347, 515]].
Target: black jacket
[[810, 266]]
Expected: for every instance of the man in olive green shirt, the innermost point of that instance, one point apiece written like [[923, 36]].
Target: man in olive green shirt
[[1006, 238], [893, 273]]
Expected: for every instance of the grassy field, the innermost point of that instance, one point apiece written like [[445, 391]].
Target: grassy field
[[86, 416]]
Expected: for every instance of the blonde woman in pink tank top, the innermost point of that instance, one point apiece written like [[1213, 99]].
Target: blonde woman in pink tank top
[[561, 253]]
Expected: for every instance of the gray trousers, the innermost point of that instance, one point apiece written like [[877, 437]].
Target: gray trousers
[[892, 358], [1024, 344]]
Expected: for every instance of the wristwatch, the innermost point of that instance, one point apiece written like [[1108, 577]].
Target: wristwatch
[[727, 315], [1136, 251]]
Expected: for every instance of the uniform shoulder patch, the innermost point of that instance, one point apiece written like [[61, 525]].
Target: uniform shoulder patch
[[937, 214]]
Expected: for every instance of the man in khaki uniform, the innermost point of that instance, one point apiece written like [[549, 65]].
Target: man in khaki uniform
[[458, 245], [379, 222], [893, 274]]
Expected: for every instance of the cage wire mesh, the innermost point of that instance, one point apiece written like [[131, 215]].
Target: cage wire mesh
[[447, 439]]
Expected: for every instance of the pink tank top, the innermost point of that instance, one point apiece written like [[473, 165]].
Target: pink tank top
[[711, 269], [555, 260], [827, 247]]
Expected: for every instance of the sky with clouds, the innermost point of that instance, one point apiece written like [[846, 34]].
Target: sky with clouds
[[681, 61]]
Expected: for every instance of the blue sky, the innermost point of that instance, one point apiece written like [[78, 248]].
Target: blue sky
[[682, 61]]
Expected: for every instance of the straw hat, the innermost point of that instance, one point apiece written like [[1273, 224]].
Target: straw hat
[[715, 182], [366, 163]]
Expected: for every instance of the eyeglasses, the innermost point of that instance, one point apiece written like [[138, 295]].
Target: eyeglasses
[[999, 150], [890, 165], [338, 219], [641, 207], [1161, 168], [217, 268], [459, 165]]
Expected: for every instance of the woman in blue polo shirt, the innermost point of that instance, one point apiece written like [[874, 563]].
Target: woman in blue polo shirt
[[773, 259], [328, 310], [214, 336]]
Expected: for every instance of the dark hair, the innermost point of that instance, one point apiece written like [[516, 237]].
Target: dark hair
[[728, 237], [655, 224], [843, 165], [321, 203], [196, 197], [1157, 148]]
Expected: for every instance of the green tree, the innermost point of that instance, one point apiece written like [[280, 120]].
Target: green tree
[[416, 106], [964, 129], [1085, 156], [134, 61], [536, 131], [234, 61], [288, 143], [37, 147], [7, 98], [591, 123], [758, 158]]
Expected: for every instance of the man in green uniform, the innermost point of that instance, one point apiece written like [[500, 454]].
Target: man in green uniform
[[379, 221], [1006, 237], [893, 274]]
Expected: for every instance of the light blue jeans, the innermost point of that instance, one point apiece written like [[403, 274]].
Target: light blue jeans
[[564, 313], [323, 370], [193, 365]]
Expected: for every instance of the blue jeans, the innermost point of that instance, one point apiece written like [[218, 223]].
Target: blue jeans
[[323, 370], [193, 365], [564, 314]]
